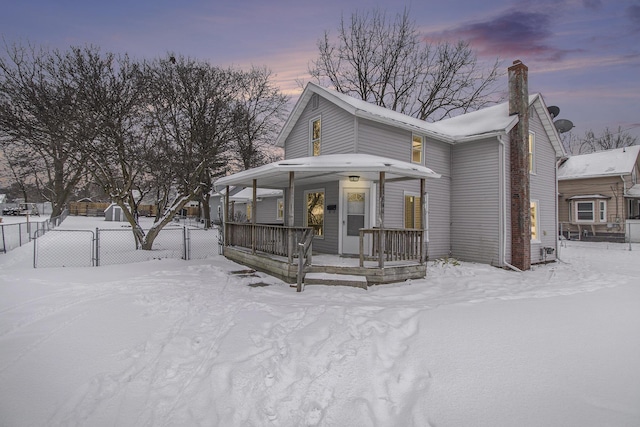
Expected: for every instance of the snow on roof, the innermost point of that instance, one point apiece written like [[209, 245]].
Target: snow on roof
[[318, 169], [484, 122], [619, 161], [634, 191], [247, 194]]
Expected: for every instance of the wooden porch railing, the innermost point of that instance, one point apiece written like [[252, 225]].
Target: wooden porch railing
[[400, 244], [271, 239]]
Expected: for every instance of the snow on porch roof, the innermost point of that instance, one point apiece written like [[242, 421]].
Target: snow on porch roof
[[247, 194], [322, 168]]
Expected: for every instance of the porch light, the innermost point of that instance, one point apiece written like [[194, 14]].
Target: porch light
[[354, 178]]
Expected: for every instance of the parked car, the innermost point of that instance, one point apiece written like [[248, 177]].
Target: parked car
[[21, 209]]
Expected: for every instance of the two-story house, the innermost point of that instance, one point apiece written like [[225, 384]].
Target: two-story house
[[373, 182]]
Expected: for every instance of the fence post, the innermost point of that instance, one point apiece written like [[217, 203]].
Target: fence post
[[19, 234], [184, 243], [97, 247], [4, 243], [629, 233], [35, 251]]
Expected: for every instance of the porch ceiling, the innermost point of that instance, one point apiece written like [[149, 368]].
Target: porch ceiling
[[317, 169]]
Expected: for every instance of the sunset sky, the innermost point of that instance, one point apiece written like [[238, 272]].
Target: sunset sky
[[583, 55]]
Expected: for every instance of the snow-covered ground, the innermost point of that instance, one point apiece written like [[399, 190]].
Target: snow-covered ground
[[181, 343]]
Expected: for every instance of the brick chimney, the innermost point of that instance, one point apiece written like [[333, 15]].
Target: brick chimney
[[519, 148]]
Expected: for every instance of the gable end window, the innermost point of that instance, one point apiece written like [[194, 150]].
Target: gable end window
[[315, 136], [417, 148]]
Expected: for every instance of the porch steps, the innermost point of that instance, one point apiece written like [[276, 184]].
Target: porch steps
[[335, 280]]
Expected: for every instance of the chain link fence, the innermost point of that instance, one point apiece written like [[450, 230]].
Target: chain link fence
[[118, 246], [18, 234]]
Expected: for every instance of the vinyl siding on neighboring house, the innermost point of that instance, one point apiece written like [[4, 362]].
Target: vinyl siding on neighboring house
[[475, 204], [611, 186], [542, 180], [336, 127]]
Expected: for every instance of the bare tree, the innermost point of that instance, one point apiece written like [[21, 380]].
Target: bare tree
[[190, 106], [40, 124], [259, 111], [389, 64], [607, 140]]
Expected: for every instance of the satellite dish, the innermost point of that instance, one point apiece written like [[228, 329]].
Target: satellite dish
[[563, 125], [554, 111]]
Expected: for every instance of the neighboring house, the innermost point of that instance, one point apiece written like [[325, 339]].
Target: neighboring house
[[479, 187], [599, 193]]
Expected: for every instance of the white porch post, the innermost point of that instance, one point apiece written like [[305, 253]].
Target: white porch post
[[423, 221], [226, 217], [253, 216], [381, 232], [290, 218]]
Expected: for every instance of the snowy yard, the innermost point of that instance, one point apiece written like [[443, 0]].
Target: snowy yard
[[181, 343]]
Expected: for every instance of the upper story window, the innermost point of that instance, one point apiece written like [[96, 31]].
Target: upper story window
[[532, 144], [417, 148], [315, 135]]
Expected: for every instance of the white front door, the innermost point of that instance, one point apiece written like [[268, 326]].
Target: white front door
[[355, 215]]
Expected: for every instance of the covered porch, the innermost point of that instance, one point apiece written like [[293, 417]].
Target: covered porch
[[353, 182]]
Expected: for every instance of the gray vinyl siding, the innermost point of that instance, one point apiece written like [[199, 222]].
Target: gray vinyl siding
[[438, 159], [267, 211], [542, 188], [475, 206], [337, 131], [383, 140], [328, 244]]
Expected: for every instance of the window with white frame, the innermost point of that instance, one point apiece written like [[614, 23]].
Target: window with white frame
[[603, 210], [280, 209], [315, 136], [584, 211], [417, 148], [412, 216], [535, 221], [314, 212], [532, 144]]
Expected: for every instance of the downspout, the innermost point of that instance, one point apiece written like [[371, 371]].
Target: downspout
[[624, 191], [503, 208]]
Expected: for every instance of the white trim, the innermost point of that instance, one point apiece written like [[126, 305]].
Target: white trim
[[278, 217], [593, 211], [532, 142], [537, 224]]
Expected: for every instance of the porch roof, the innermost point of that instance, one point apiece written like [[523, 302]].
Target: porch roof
[[316, 169]]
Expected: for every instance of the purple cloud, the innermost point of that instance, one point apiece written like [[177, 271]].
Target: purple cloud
[[513, 33], [592, 4], [633, 13]]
